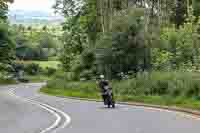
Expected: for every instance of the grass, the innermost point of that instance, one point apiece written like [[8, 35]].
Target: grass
[[32, 79], [43, 64], [6, 81], [37, 78], [156, 100], [73, 89], [159, 88]]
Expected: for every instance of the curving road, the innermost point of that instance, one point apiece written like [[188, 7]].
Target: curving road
[[23, 110]]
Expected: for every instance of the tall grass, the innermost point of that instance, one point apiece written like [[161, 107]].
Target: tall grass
[[163, 88], [173, 84], [75, 89]]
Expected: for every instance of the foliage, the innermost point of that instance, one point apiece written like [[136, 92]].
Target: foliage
[[4, 8], [42, 64], [170, 84], [47, 41], [86, 75], [162, 88], [174, 84], [32, 69], [50, 71], [88, 58], [126, 48], [7, 45], [34, 44], [74, 41], [89, 89], [117, 37], [182, 46]]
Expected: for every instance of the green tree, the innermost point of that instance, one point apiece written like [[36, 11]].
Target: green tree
[[4, 8], [74, 40], [196, 6], [7, 45]]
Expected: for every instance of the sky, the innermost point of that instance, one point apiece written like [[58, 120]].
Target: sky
[[33, 5]]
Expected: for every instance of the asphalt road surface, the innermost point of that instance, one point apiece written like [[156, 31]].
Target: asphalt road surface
[[24, 110]]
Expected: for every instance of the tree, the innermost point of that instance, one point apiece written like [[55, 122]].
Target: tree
[[121, 42], [196, 6], [74, 40], [180, 13], [4, 8], [7, 45], [44, 28]]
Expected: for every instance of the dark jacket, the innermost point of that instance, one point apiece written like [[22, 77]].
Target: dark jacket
[[102, 84]]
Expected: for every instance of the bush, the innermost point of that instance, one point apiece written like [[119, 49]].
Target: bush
[[88, 58], [27, 52], [50, 71], [86, 74], [127, 47], [181, 47], [77, 69], [7, 44], [173, 84], [165, 84], [74, 89], [33, 69]]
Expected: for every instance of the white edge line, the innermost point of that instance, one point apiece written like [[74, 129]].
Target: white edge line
[[182, 114], [47, 108]]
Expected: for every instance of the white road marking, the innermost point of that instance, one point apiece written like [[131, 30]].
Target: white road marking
[[180, 114], [127, 107], [48, 108]]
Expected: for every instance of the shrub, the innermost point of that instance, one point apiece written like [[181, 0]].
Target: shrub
[[169, 84], [50, 71], [173, 84], [88, 58], [181, 46], [86, 74], [127, 47], [33, 69], [81, 89]]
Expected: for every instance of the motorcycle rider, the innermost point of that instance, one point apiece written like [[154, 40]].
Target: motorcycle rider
[[102, 84]]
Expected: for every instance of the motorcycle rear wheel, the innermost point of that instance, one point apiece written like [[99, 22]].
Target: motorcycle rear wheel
[[113, 105]]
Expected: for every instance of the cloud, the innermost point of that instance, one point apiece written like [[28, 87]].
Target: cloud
[[42, 5]]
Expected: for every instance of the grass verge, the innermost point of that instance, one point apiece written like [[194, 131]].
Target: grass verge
[[91, 91], [7, 81], [38, 78]]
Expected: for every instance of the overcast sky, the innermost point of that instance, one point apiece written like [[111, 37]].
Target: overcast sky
[[39, 5]]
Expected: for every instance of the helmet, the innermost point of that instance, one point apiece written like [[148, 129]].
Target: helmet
[[101, 76]]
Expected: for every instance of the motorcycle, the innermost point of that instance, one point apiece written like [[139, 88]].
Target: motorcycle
[[109, 99]]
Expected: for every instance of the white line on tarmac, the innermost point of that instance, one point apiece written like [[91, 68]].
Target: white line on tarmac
[[180, 114], [48, 108]]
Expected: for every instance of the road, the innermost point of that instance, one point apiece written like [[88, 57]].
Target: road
[[24, 110]]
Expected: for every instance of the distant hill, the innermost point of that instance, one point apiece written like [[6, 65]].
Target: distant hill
[[33, 17]]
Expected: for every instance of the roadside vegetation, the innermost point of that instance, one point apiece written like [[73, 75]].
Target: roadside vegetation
[[28, 53], [149, 53], [6, 81], [149, 50], [43, 64], [180, 89]]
